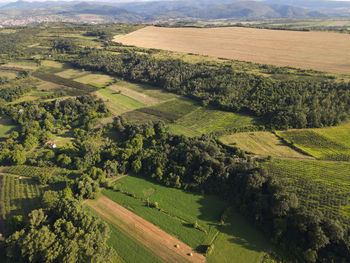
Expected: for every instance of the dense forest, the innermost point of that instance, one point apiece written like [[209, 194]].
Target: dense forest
[[282, 103]]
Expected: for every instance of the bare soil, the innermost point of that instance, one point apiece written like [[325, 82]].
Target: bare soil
[[153, 238], [321, 51]]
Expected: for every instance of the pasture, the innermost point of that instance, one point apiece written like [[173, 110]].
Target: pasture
[[177, 212], [71, 73], [95, 79], [128, 249], [6, 126], [147, 90], [206, 120], [322, 51], [327, 143], [262, 144], [21, 64], [187, 117], [18, 195], [118, 102], [319, 185], [8, 74]]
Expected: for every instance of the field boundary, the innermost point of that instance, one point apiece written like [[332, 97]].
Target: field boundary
[[153, 238], [77, 86]]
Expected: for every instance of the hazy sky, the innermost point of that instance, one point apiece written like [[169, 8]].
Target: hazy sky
[[2, 1]]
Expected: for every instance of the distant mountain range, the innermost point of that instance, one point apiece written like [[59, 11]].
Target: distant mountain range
[[196, 9]]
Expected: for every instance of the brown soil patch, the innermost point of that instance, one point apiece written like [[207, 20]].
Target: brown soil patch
[[321, 51], [147, 234], [143, 98]]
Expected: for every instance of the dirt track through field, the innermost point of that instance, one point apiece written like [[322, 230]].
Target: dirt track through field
[[323, 51], [156, 240]]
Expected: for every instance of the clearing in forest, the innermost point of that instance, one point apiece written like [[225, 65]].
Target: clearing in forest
[[150, 236], [262, 144], [321, 51], [6, 126]]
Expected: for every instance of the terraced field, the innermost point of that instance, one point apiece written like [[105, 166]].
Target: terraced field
[[262, 144], [332, 143], [320, 185]]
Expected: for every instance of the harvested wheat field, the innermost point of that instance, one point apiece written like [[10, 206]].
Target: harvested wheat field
[[323, 51], [153, 238]]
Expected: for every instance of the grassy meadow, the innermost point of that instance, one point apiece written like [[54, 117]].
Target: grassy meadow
[[180, 209], [262, 144], [321, 185], [6, 126], [128, 250]]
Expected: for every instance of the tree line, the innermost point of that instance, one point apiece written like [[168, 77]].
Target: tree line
[[281, 103]]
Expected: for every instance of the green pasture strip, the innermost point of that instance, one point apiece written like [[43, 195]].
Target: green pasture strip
[[127, 248], [122, 99]]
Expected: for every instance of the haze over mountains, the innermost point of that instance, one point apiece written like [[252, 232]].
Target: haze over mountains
[[149, 11]]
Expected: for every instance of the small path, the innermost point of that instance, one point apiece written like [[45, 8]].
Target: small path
[[150, 236], [118, 178]]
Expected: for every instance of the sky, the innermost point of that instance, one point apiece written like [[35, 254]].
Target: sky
[[7, 1]]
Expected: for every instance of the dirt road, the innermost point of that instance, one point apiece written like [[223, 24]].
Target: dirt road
[[153, 238]]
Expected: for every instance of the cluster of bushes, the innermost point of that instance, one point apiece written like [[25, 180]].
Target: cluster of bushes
[[282, 103], [39, 121], [62, 232]]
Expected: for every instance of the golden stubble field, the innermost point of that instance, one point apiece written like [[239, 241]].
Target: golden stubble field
[[323, 51]]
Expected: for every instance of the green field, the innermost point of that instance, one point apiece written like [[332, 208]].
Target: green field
[[207, 120], [119, 103], [9, 75], [128, 250], [332, 143], [321, 185], [187, 117], [18, 195], [95, 79], [262, 144], [21, 64], [147, 90], [6, 126], [72, 73], [180, 209]]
